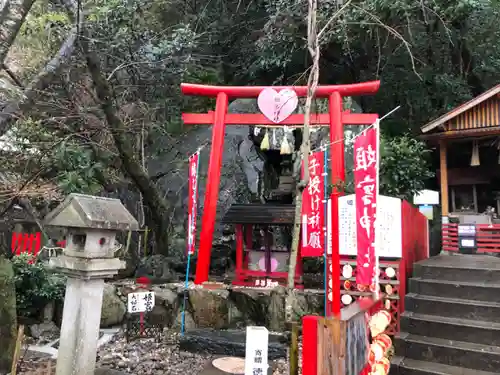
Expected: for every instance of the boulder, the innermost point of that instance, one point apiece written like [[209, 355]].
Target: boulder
[[113, 308], [8, 319], [158, 268], [46, 330], [210, 308]]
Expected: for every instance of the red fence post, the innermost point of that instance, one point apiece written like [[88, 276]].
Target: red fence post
[[212, 190], [310, 345], [338, 176]]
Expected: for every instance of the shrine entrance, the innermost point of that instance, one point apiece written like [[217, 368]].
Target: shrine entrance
[[335, 119]]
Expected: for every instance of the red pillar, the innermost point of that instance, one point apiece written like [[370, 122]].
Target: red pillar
[[239, 252], [310, 345], [338, 175], [212, 190]]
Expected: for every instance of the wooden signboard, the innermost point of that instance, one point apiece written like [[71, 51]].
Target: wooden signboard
[[343, 343]]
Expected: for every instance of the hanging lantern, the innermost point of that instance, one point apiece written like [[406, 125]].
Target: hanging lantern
[[264, 145], [474, 160]]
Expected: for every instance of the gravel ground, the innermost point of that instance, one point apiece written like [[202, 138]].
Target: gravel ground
[[146, 357]]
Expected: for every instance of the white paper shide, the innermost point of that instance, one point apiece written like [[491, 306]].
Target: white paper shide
[[140, 302], [256, 361]]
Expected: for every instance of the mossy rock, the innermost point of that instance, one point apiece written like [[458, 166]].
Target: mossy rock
[[8, 319]]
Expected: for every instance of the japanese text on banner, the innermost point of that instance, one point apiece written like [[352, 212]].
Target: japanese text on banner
[[192, 201], [365, 182], [313, 235]]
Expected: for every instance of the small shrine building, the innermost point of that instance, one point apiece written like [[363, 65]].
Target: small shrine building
[[468, 140]]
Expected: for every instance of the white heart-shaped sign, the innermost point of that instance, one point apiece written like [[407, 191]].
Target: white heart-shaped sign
[[277, 106]]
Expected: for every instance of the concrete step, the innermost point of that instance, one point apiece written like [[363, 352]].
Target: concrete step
[[475, 331], [453, 307], [407, 366], [477, 291], [448, 352], [472, 268]]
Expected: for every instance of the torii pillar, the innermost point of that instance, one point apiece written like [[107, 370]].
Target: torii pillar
[[219, 118]]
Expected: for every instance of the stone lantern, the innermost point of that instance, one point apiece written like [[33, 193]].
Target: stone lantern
[[92, 224]]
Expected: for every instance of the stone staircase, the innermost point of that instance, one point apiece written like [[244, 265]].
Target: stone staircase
[[451, 323]]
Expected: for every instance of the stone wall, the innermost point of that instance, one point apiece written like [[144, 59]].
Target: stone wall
[[224, 308]]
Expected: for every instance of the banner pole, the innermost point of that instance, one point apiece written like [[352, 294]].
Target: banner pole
[[325, 223], [191, 239], [377, 222]]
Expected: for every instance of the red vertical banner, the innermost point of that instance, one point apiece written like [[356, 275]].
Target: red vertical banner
[[366, 190], [313, 213], [192, 201]]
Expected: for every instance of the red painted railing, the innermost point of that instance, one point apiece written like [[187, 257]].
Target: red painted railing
[[26, 243], [29, 243], [487, 237]]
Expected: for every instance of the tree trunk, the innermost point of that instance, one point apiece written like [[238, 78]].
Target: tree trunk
[[158, 206], [12, 16]]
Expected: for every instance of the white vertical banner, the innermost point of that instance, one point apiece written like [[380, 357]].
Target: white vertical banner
[[256, 350]]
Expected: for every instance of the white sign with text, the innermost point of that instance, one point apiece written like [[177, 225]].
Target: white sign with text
[[140, 302], [390, 226], [257, 341]]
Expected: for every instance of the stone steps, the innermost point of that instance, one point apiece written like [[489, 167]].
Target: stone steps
[[448, 352], [451, 325], [453, 307], [460, 268], [476, 331], [474, 291], [407, 366]]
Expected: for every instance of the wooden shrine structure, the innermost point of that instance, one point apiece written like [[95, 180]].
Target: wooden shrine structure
[[260, 263], [468, 139]]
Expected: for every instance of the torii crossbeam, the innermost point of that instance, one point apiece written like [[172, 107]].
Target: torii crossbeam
[[219, 118]]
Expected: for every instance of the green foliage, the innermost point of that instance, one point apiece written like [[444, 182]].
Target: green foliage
[[404, 167], [404, 164], [36, 286]]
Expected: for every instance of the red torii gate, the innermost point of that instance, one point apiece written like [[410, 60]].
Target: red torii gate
[[219, 118]]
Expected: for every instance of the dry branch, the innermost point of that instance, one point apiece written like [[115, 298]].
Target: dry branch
[[13, 109]]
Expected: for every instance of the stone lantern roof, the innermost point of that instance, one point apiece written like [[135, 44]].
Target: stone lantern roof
[[91, 212]]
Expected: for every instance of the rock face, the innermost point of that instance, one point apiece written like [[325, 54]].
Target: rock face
[[8, 319], [113, 308], [224, 308]]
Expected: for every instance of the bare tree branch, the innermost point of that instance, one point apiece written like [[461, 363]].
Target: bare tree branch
[[13, 109]]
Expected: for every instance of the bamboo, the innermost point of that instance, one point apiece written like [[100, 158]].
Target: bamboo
[[17, 350], [294, 349], [145, 239]]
